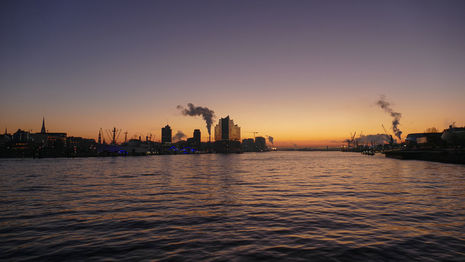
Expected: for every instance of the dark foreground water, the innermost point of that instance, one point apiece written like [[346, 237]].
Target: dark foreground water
[[306, 206]]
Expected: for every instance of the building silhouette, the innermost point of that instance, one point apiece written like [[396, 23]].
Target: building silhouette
[[166, 134], [196, 137], [260, 143], [22, 136], [226, 130], [51, 144], [227, 136], [248, 145]]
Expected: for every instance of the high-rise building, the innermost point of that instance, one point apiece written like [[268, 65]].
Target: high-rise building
[[197, 137], [166, 134], [227, 130], [260, 143], [224, 128]]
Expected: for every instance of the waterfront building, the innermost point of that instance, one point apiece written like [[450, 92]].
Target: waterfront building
[[50, 144], [196, 137], [79, 146], [424, 138], [454, 136], [5, 139], [227, 136], [227, 130], [21, 144], [166, 134], [260, 143], [22, 136], [56, 140], [248, 145], [137, 147]]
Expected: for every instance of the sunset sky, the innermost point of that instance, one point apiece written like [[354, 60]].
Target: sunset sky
[[304, 72]]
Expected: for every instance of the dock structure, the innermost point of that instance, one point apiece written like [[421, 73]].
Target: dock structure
[[454, 156]]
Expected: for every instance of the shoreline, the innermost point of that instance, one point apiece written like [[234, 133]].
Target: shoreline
[[451, 156]]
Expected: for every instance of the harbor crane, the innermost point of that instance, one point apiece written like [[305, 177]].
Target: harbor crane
[[351, 139], [254, 134], [113, 134], [391, 140]]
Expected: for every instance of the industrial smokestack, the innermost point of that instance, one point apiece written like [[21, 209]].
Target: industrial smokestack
[[386, 106], [207, 114]]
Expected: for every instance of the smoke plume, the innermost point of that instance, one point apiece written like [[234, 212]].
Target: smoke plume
[[270, 139], [207, 114], [378, 139], [179, 135], [386, 106]]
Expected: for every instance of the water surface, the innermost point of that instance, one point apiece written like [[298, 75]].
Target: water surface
[[300, 206]]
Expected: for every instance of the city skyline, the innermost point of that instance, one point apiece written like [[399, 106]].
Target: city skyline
[[165, 135], [306, 73]]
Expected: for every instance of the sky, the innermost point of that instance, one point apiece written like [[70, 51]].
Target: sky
[[307, 73]]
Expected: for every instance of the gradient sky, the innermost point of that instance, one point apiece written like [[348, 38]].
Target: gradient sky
[[304, 72]]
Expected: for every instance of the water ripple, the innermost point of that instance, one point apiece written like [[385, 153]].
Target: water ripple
[[298, 206]]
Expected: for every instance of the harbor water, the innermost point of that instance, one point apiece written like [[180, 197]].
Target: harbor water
[[275, 206]]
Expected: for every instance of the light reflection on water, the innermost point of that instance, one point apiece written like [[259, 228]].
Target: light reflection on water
[[273, 206]]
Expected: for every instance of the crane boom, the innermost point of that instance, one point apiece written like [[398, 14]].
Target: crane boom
[[385, 132]]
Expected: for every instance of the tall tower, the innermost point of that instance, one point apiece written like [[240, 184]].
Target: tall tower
[[43, 131], [100, 136], [227, 130], [166, 134], [197, 137]]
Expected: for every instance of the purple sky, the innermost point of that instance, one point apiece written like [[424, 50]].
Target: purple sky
[[315, 67]]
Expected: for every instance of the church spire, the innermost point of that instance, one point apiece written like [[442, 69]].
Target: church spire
[[43, 131]]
